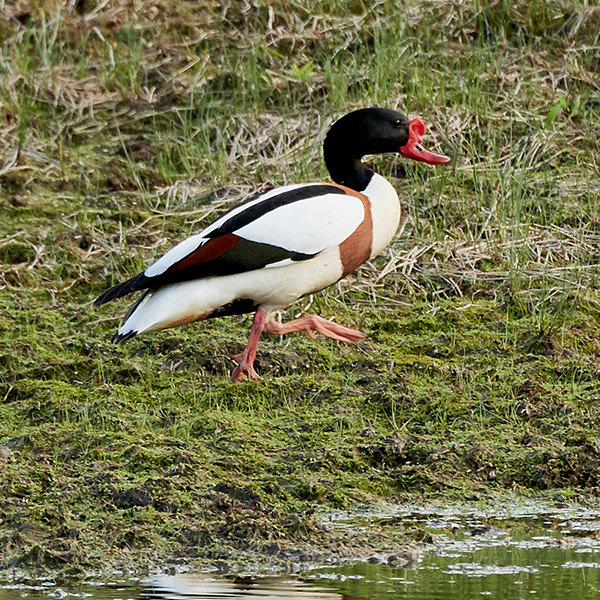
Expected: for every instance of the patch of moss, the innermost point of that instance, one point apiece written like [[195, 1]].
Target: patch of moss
[[479, 372]]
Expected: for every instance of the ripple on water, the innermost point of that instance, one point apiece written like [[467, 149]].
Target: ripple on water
[[479, 570]]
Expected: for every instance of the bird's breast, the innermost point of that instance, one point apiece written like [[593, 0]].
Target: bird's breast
[[385, 212]]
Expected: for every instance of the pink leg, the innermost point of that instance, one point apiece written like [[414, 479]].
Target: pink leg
[[263, 321], [312, 323], [245, 360]]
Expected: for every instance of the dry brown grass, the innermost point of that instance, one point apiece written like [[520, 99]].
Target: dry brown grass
[[99, 100]]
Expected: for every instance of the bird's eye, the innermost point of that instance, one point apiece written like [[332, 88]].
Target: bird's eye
[[397, 123]]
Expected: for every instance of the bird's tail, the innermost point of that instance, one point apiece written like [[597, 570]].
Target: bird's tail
[[126, 332], [168, 306]]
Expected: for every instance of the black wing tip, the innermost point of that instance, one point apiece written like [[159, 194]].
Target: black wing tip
[[119, 338], [136, 283], [104, 297]]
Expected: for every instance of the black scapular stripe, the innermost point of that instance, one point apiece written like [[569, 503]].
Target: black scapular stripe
[[256, 211], [244, 256]]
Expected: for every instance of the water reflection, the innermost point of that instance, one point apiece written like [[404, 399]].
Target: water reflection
[[182, 587]]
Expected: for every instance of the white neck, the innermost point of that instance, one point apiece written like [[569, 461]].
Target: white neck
[[385, 210]]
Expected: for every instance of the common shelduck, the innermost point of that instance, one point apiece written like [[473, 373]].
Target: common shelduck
[[280, 245]]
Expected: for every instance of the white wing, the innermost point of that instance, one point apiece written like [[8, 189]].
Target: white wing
[[308, 226]]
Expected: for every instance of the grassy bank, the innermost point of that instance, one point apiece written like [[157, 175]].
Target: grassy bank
[[125, 126]]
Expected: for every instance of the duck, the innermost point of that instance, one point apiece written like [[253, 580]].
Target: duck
[[282, 244]]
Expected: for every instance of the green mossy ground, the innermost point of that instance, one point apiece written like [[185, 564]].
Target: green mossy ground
[[123, 130]]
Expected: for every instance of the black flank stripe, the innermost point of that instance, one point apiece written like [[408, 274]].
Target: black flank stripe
[[258, 210], [241, 306]]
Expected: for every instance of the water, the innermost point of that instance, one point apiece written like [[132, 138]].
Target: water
[[543, 552]]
